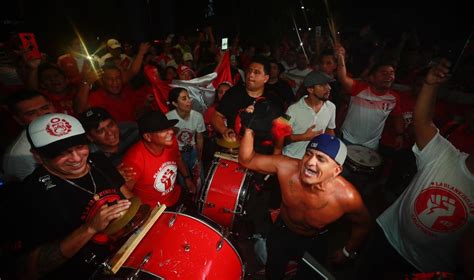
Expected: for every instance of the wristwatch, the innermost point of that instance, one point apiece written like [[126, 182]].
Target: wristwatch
[[347, 254]]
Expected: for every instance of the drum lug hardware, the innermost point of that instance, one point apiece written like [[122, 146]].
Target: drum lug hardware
[[172, 220], [139, 269], [219, 245], [180, 209], [226, 210], [106, 265], [187, 247], [209, 204], [224, 234], [90, 259]]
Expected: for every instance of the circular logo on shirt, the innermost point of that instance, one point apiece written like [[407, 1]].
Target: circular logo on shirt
[[185, 136], [165, 177], [440, 210], [58, 127]]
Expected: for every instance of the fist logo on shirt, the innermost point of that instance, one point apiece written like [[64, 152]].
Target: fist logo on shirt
[[440, 210], [165, 178]]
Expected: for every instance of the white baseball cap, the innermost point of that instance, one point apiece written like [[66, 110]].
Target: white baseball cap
[[52, 134], [113, 44]]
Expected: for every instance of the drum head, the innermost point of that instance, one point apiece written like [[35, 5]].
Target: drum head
[[363, 156]]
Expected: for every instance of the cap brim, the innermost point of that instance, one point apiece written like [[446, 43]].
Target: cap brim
[[172, 123], [56, 148], [162, 126]]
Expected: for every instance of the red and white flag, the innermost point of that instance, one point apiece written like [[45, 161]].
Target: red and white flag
[[160, 88], [202, 89]]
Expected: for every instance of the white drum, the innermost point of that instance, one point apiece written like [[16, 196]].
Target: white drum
[[361, 159]]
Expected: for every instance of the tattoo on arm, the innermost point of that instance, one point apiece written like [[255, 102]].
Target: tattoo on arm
[[50, 257]]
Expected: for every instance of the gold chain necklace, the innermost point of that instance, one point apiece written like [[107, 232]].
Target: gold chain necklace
[[94, 195]]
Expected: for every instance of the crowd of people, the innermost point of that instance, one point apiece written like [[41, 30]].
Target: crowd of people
[[83, 135]]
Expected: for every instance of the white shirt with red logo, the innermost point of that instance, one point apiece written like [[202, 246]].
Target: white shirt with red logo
[[187, 127], [367, 114], [426, 222]]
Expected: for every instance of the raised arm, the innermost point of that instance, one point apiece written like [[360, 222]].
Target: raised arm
[[80, 102], [425, 129], [342, 76], [250, 159], [137, 62]]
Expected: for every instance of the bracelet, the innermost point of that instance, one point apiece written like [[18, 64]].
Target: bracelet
[[347, 254]]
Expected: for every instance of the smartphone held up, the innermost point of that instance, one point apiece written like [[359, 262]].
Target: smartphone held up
[[30, 46]]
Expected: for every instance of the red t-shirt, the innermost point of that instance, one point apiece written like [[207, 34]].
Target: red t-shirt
[[155, 174], [68, 64], [121, 107], [407, 105]]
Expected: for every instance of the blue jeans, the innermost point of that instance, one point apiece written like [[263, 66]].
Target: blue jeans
[[190, 157]]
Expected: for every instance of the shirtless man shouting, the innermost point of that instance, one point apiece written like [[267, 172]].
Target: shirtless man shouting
[[313, 196]]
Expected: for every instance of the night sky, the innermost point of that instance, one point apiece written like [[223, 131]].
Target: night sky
[[442, 22]]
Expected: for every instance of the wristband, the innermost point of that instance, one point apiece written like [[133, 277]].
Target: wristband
[[346, 253]]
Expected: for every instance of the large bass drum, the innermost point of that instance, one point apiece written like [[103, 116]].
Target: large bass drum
[[180, 246]]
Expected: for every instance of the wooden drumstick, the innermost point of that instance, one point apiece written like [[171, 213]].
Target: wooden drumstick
[[124, 252]]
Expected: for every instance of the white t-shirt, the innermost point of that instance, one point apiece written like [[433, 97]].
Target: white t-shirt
[[366, 116], [427, 220], [18, 161], [302, 117], [187, 128]]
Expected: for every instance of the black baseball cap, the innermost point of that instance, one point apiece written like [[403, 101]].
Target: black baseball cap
[[92, 118]]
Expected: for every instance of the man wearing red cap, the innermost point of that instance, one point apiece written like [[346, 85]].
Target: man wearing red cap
[[313, 196]]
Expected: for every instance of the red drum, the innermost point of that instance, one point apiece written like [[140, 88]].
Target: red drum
[[224, 194], [179, 246], [431, 276]]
